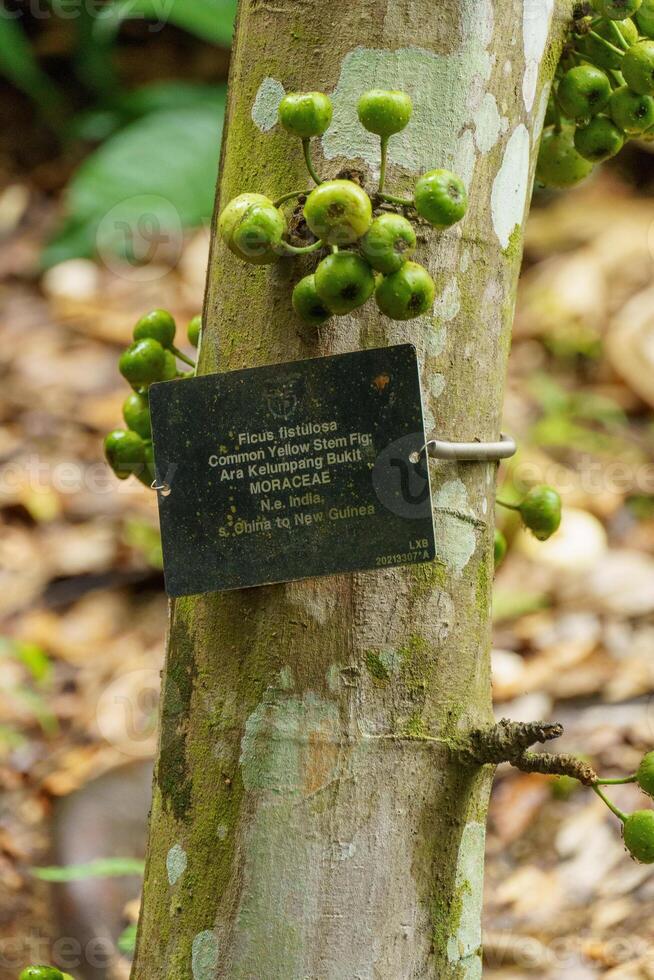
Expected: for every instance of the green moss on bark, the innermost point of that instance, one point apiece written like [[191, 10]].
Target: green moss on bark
[[173, 777]]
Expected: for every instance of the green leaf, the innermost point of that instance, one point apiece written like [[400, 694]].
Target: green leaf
[[36, 660], [144, 537], [598, 408], [159, 96], [98, 124], [549, 393], [117, 867], [143, 186], [18, 64], [211, 20], [74, 239], [10, 739], [127, 939], [172, 153], [39, 708], [511, 604], [33, 657]]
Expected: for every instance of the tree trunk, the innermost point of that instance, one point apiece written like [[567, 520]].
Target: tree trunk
[[310, 820]]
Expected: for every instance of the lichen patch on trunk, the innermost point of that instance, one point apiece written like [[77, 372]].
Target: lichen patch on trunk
[[436, 385], [204, 956], [509, 193], [436, 338], [456, 536], [536, 19], [464, 946], [488, 124], [448, 304], [465, 157], [539, 120], [176, 861], [290, 745], [266, 104]]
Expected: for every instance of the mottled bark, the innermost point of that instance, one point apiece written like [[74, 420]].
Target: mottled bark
[[311, 817]]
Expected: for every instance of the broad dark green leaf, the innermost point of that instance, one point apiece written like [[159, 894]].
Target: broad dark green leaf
[[18, 64], [170, 95], [157, 174], [99, 123], [212, 20]]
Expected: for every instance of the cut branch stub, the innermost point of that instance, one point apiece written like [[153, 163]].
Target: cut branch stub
[[508, 741]]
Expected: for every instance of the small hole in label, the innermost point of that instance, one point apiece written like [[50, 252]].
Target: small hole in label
[[414, 457]]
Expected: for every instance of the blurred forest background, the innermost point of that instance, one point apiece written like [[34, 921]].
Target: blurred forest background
[[110, 116]]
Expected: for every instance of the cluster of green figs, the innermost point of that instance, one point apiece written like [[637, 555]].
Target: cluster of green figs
[[369, 238], [151, 357], [603, 92]]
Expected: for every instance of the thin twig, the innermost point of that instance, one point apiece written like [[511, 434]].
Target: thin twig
[[301, 249], [384, 156], [612, 807], [289, 197], [306, 147]]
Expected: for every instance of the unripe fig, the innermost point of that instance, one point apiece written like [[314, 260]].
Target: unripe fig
[[639, 835]]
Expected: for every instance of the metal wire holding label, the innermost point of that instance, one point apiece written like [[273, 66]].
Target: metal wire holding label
[[163, 488], [477, 451]]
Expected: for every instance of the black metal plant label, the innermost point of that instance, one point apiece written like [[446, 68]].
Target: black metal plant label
[[291, 471]]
